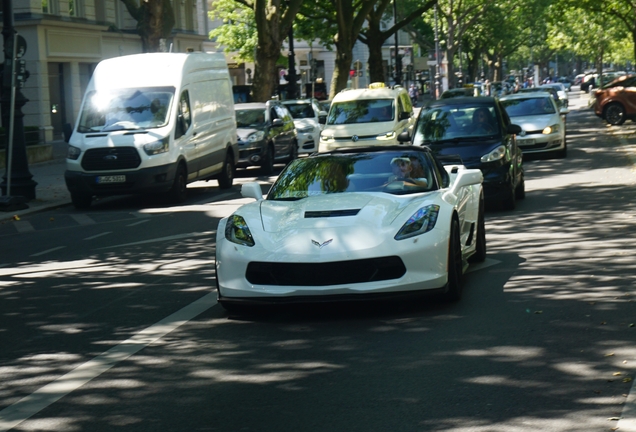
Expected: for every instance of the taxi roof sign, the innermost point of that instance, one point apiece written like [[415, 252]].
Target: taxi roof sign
[[377, 85]]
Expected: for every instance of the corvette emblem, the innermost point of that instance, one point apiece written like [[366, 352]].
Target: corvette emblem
[[355, 138], [321, 245]]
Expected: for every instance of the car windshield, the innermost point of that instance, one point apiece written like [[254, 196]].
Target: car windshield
[[126, 109], [456, 121], [250, 118], [528, 107], [300, 110], [361, 111], [395, 172]]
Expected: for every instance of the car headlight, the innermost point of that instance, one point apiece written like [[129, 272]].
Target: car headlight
[[157, 147], [308, 129], [73, 153], [495, 155], [326, 137], [256, 136], [386, 136], [551, 129], [238, 232], [421, 222]]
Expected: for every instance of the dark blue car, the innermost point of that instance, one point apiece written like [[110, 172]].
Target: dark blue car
[[479, 132]]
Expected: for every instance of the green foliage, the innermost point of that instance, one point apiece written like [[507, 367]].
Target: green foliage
[[238, 32]]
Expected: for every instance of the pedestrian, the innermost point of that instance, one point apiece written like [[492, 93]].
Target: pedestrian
[[413, 94]]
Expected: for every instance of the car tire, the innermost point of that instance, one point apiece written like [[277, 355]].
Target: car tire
[[480, 246], [510, 203], [226, 178], [81, 201], [455, 265], [179, 191], [562, 154], [520, 192], [614, 114], [267, 166]]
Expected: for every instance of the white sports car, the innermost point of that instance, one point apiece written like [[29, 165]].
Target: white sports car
[[352, 224]]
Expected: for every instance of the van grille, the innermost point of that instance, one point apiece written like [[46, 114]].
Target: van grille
[[111, 158], [324, 274]]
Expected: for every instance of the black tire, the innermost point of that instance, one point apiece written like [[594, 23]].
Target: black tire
[[563, 152], [455, 265], [614, 114], [510, 203], [480, 246], [520, 192], [81, 201], [226, 178], [179, 191], [267, 165], [294, 151]]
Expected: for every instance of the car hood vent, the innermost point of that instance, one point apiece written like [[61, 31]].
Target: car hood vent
[[331, 213]]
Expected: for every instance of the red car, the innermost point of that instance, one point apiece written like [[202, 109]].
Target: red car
[[616, 101]]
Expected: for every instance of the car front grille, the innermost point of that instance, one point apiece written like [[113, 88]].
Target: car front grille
[[324, 274], [111, 158]]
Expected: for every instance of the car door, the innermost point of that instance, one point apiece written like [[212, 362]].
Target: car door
[[510, 141], [287, 132]]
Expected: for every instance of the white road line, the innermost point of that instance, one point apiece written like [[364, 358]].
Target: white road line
[[24, 226], [160, 239], [15, 414], [98, 235], [47, 251], [139, 223], [82, 219]]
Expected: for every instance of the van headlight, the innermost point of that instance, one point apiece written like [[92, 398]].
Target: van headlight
[[386, 136], [307, 129], [73, 153], [256, 136], [421, 222], [495, 155], [551, 129], [237, 231], [157, 147]]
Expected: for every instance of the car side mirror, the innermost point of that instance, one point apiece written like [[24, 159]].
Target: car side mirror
[[564, 111], [513, 129], [404, 137], [252, 190], [322, 119], [405, 115], [277, 122]]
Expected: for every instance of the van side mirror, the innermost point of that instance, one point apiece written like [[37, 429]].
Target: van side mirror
[[404, 137], [513, 129], [277, 122], [405, 115], [68, 131], [322, 119]]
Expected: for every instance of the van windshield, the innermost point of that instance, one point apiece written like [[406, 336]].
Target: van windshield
[[361, 111], [126, 109]]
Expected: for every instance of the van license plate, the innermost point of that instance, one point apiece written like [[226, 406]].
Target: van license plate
[[111, 179]]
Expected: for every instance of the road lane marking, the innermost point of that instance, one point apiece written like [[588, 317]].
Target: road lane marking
[[98, 235], [139, 223], [48, 250], [160, 239], [82, 219], [24, 226], [30, 405]]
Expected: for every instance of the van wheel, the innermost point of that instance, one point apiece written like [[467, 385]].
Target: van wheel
[[81, 200], [179, 190], [267, 167], [226, 178]]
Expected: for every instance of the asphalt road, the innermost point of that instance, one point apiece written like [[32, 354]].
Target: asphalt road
[[108, 321]]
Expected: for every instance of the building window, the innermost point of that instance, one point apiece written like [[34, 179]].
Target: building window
[[76, 8], [189, 15], [51, 7]]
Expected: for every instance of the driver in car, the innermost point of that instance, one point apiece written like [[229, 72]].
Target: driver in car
[[403, 172]]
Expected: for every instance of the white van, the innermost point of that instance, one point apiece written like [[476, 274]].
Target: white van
[[371, 116], [152, 123]]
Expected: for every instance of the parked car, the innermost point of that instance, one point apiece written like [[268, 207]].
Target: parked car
[[307, 114], [266, 135], [479, 131], [553, 92], [578, 80], [567, 83], [541, 120], [353, 224], [369, 116], [564, 100], [616, 102], [588, 82]]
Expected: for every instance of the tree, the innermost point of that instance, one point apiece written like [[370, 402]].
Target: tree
[[155, 20]]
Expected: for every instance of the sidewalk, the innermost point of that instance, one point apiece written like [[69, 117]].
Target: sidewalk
[[50, 191]]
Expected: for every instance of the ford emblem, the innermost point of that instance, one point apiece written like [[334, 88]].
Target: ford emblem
[[110, 157]]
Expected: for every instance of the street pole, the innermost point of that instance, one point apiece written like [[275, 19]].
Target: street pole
[[437, 67], [292, 90], [398, 62], [17, 186]]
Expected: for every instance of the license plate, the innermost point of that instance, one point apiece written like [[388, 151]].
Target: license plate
[[111, 179], [527, 142]]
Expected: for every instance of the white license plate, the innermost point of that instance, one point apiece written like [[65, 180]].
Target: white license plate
[[527, 142], [111, 179]]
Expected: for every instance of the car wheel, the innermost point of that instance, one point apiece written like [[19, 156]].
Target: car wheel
[[179, 190], [454, 284], [520, 192], [81, 200], [564, 151], [294, 151], [480, 246], [615, 114], [510, 203], [267, 166], [226, 178]]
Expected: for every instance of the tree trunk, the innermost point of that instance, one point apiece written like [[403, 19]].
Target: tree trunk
[[344, 57], [267, 50], [376, 65], [155, 21]]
